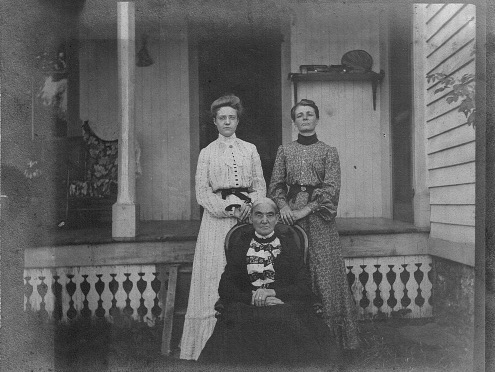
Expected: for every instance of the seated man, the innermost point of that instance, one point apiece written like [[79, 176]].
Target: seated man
[[266, 289]]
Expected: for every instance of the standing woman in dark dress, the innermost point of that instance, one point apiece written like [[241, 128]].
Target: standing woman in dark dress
[[305, 185]]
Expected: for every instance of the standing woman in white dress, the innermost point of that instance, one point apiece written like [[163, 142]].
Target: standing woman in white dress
[[229, 178]]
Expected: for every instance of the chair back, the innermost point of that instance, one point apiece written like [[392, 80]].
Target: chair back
[[295, 232]]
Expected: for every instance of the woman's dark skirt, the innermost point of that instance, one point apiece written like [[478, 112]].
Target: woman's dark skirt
[[288, 333]]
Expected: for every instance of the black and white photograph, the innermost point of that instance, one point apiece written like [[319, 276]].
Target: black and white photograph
[[247, 185]]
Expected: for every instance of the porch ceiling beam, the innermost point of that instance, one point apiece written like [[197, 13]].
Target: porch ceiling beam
[[124, 211]]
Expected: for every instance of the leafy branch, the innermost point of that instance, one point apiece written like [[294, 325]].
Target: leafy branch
[[461, 89]]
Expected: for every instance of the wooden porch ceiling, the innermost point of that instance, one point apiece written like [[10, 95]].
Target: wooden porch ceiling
[[98, 19]]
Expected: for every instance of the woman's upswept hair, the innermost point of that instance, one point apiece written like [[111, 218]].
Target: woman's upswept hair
[[265, 200], [304, 102], [228, 100]]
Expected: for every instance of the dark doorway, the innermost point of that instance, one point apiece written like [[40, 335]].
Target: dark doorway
[[247, 65], [401, 104]]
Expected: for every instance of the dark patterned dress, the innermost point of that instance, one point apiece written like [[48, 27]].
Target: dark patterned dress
[[309, 175]]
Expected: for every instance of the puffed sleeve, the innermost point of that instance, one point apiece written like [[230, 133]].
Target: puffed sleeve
[[278, 184], [258, 184], [325, 199], [204, 192]]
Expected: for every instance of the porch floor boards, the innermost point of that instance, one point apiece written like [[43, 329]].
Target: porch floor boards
[[160, 231]]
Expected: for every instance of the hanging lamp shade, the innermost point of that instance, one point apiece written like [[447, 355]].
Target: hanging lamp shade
[[143, 57]]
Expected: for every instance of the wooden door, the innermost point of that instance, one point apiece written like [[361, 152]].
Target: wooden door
[[248, 67]]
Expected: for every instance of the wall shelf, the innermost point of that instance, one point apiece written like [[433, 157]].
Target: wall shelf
[[374, 77]]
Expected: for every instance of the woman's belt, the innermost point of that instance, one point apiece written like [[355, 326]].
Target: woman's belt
[[296, 189], [237, 191]]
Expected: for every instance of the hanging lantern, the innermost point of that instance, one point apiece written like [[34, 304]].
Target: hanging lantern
[[143, 56]]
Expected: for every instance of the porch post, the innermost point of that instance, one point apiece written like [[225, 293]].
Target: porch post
[[421, 201], [484, 256], [124, 211]]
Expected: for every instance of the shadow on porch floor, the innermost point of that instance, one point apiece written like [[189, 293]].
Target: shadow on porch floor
[[444, 344]]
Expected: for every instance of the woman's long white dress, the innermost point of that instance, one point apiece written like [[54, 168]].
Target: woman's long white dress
[[227, 162]]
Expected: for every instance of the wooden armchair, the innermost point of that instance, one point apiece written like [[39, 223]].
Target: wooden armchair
[[298, 235]]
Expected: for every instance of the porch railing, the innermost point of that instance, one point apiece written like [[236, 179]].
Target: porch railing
[[381, 286]]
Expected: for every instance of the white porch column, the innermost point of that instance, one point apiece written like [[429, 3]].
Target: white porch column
[[124, 211]]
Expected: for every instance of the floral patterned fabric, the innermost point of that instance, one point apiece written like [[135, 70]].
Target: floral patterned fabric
[[318, 165]]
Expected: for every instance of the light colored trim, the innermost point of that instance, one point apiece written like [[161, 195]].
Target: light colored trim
[[124, 211], [126, 72], [172, 252], [421, 201], [384, 107], [119, 253], [381, 245], [484, 188], [459, 252]]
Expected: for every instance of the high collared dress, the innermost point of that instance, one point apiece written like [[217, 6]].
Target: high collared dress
[[315, 164], [227, 162]]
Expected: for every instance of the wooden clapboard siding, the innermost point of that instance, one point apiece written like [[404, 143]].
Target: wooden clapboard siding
[[452, 233], [445, 123], [161, 119], [455, 194], [459, 51], [432, 13], [321, 34], [433, 96], [449, 29], [453, 214], [453, 175], [452, 156], [439, 108], [437, 105], [449, 42], [465, 68], [453, 138]]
